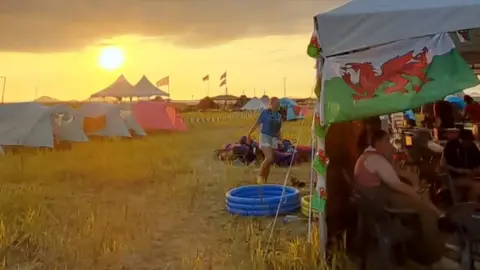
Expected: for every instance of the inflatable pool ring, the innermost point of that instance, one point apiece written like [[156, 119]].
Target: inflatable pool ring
[[306, 205], [262, 200]]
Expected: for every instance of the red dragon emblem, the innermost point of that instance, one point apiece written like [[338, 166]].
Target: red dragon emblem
[[394, 71]]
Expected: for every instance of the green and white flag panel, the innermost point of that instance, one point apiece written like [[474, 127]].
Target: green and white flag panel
[[392, 77]]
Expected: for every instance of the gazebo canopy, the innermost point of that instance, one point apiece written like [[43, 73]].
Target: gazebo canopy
[[144, 88], [366, 23], [118, 89]]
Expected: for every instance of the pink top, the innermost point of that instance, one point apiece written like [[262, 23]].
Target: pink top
[[362, 175]]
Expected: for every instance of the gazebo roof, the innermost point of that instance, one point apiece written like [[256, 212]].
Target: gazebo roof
[[144, 88], [376, 22], [119, 88]]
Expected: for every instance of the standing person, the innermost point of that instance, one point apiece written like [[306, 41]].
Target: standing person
[[444, 114], [271, 122], [429, 116], [472, 113], [409, 118], [444, 119], [472, 110]]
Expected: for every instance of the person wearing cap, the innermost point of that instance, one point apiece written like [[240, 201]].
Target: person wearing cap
[[461, 158]]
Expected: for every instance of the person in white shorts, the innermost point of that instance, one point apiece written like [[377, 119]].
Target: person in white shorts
[[270, 121]]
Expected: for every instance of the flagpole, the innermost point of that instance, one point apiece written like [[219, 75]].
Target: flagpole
[[3, 88]]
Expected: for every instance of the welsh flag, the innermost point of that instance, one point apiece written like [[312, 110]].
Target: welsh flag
[[391, 78]]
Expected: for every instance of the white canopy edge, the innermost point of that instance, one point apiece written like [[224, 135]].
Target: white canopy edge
[[364, 23]]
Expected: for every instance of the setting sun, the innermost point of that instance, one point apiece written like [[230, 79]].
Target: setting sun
[[111, 58]]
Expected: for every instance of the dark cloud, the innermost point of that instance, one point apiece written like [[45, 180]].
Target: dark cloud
[[63, 25]]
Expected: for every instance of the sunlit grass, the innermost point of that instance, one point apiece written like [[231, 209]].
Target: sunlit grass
[[142, 204]]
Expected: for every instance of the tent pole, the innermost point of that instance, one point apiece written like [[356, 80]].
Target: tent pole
[[4, 85]]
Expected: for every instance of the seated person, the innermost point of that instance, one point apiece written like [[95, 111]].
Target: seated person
[[378, 177], [461, 157]]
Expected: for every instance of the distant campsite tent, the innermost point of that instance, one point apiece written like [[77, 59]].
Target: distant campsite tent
[[101, 119], [118, 89], [254, 104], [69, 124], [157, 116], [265, 99], [33, 125], [294, 112], [144, 88], [177, 119], [132, 123]]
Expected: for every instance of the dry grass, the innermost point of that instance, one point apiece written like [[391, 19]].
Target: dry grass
[[156, 203]]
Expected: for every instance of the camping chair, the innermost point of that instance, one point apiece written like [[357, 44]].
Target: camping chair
[[465, 217], [466, 220], [381, 224]]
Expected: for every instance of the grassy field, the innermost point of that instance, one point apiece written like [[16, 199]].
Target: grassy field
[[154, 203]]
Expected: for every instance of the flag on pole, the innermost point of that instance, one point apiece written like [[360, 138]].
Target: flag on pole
[[391, 78], [206, 78], [224, 76], [222, 83], [164, 81]]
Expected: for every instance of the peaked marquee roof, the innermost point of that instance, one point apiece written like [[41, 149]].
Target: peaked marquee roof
[[119, 88], [144, 88], [122, 88]]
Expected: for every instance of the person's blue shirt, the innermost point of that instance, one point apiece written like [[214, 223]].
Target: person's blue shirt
[[271, 122]]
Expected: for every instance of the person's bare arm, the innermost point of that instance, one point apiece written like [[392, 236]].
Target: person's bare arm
[[387, 174], [254, 127], [450, 168]]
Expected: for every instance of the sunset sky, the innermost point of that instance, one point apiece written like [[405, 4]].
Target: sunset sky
[[54, 45]]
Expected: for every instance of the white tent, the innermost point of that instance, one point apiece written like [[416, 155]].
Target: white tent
[[254, 104], [144, 88], [33, 125], [115, 125], [265, 99], [69, 124], [361, 24]]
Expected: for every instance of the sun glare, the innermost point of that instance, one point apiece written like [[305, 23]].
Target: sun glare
[[111, 58]]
